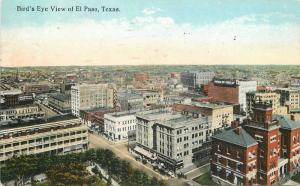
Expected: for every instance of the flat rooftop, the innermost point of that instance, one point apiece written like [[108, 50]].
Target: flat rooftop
[[38, 122], [210, 105], [61, 97], [159, 115]]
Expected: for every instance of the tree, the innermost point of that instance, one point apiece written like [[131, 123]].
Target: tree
[[68, 174]]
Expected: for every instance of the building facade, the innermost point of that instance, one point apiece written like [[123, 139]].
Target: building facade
[[53, 137], [273, 143], [119, 125], [12, 115], [90, 96], [61, 102], [290, 97], [173, 139], [269, 96], [194, 80], [231, 91], [221, 115]]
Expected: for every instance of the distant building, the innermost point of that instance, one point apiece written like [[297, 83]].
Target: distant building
[[119, 125], [94, 118], [14, 98], [295, 81], [61, 102], [221, 115], [130, 100], [36, 88], [21, 113], [90, 96], [65, 87], [231, 91], [263, 150], [194, 80], [264, 96], [172, 139], [141, 77], [55, 137], [151, 98], [290, 97]]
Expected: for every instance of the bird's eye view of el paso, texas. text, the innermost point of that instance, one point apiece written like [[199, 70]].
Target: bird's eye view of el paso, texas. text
[[149, 93]]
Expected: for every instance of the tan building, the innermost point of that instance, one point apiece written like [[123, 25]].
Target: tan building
[[90, 96], [290, 97], [21, 113], [59, 137], [266, 96], [221, 115]]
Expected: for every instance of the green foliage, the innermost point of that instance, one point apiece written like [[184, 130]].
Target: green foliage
[[70, 169]]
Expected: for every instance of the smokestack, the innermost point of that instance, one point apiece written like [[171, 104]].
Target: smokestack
[[293, 117], [238, 130], [235, 123]]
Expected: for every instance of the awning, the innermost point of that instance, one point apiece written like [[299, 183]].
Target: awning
[[144, 152]]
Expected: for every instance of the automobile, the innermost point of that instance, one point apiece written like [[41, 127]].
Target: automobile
[[170, 173]]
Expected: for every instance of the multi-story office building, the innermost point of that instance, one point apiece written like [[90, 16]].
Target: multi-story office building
[[55, 137], [264, 150], [13, 115], [194, 80], [173, 139], [290, 97], [119, 125], [90, 96], [231, 91], [129, 100], [269, 96], [221, 115], [14, 98]]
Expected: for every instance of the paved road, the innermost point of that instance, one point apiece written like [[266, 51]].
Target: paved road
[[49, 112], [198, 172], [120, 150]]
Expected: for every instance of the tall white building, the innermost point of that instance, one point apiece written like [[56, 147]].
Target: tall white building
[[118, 125], [245, 87], [89, 96]]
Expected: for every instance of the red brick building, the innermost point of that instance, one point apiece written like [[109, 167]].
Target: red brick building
[[141, 77], [224, 93], [273, 143], [95, 117]]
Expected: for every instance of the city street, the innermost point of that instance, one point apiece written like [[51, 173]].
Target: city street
[[120, 149], [48, 111]]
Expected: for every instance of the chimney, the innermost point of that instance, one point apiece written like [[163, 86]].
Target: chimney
[[293, 117], [235, 123], [238, 130]]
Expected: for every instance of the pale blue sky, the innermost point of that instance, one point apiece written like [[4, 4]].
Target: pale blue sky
[[194, 12], [152, 32]]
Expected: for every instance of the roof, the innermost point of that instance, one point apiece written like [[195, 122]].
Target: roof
[[286, 123], [242, 139], [61, 97]]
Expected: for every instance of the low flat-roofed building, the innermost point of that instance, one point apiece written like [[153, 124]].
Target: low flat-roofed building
[[118, 125], [56, 136], [12, 115], [61, 102], [94, 118]]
